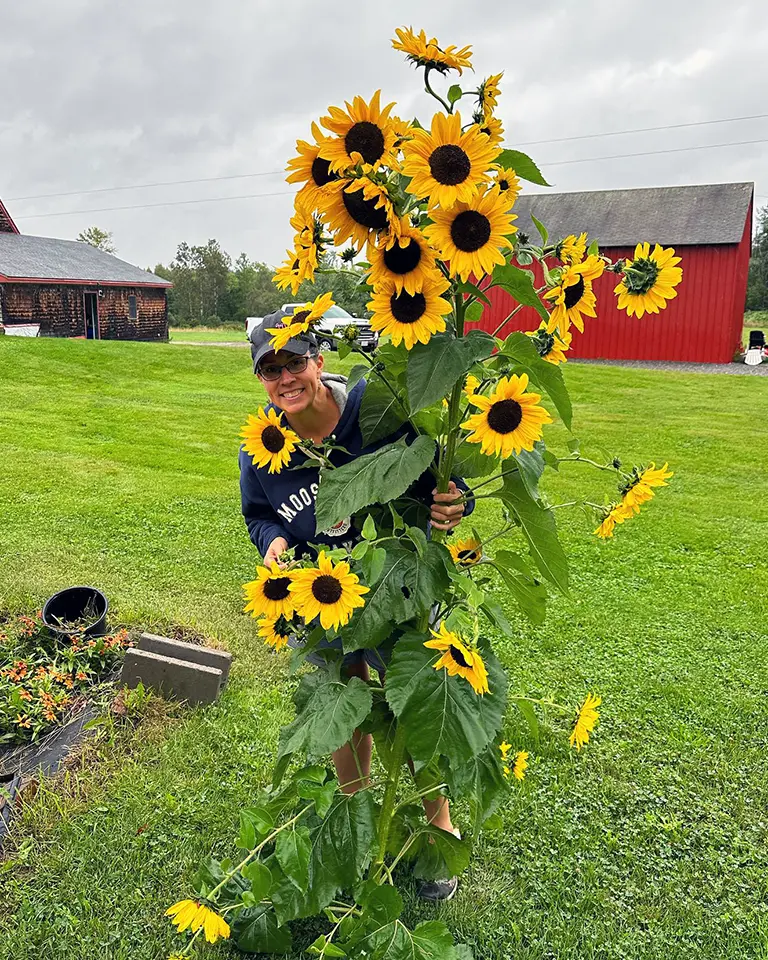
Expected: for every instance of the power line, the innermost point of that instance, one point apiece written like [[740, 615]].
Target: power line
[[652, 153], [270, 173], [144, 206], [669, 126]]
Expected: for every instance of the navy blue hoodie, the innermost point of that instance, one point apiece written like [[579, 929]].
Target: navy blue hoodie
[[283, 504]]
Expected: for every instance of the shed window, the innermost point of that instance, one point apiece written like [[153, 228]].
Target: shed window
[[133, 308]]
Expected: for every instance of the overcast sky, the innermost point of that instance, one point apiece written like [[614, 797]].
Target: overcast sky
[[99, 94]]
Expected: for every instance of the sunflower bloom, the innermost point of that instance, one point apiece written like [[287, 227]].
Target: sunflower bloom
[[303, 318], [299, 265], [329, 591], [466, 553], [471, 236], [615, 513], [510, 419], [571, 250], [504, 749], [410, 318], [641, 489], [508, 183], [447, 166], [190, 913], [364, 133], [552, 347], [356, 208], [275, 631], [471, 385], [584, 722], [405, 261], [459, 659], [310, 169], [427, 53], [269, 594], [267, 441], [649, 280], [488, 94], [519, 765], [491, 128], [573, 295]]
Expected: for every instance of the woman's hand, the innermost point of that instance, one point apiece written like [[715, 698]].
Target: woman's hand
[[446, 514], [278, 546]]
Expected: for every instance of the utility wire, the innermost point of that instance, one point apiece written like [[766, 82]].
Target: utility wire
[[270, 173], [652, 153]]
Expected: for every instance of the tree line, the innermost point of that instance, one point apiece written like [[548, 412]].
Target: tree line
[[757, 285]]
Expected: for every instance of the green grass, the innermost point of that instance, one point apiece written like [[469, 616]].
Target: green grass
[[119, 468], [207, 334]]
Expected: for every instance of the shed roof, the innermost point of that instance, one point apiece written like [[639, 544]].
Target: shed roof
[[44, 258], [711, 213]]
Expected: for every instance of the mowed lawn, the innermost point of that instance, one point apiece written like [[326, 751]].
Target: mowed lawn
[[118, 466], [206, 335]]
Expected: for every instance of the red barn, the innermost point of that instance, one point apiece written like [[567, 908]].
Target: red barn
[[710, 227], [69, 289]]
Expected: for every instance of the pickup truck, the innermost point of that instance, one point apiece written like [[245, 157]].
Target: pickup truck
[[335, 318]]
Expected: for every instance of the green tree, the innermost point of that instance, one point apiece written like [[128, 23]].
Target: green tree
[[757, 284], [96, 237], [251, 291], [345, 282]]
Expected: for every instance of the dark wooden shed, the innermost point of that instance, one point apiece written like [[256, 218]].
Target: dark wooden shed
[[71, 289], [710, 227]]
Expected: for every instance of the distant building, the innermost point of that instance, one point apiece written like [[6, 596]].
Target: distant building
[[710, 227], [71, 289]]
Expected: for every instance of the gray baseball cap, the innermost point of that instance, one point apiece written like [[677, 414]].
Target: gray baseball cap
[[260, 339]]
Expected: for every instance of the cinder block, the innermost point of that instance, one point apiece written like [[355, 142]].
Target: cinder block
[[193, 652], [193, 682]]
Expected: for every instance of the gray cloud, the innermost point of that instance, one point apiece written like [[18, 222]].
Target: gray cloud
[[101, 94]]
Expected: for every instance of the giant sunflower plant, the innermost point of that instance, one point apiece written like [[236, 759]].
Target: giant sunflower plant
[[432, 208]]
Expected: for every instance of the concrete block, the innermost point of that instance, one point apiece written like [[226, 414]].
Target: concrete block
[[192, 652], [193, 682]]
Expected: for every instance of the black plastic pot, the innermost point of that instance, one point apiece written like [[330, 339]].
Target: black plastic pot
[[70, 605]]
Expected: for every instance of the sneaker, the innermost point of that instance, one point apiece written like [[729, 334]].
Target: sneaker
[[436, 891]]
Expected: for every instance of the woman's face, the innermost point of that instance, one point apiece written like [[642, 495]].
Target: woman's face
[[293, 392]]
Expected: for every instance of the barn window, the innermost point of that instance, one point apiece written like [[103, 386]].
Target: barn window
[[133, 308]]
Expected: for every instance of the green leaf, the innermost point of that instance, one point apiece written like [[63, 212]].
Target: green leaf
[[593, 249], [474, 312], [260, 878], [481, 782], [407, 588], [519, 283], [369, 528], [343, 843], [523, 166], [546, 376], [496, 615], [540, 530], [530, 595], [344, 350], [255, 823], [373, 478], [471, 462], [454, 93], [380, 902], [543, 232], [293, 849], [322, 948], [529, 715], [328, 719], [431, 940], [247, 838], [574, 444], [464, 286], [321, 795], [380, 412], [442, 714], [531, 464], [464, 952], [255, 930], [356, 374], [376, 561], [551, 460], [443, 855], [360, 549], [434, 367]]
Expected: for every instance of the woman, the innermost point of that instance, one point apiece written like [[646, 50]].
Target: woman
[[279, 508]]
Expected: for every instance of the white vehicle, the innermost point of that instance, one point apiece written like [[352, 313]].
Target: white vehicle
[[250, 323], [336, 319]]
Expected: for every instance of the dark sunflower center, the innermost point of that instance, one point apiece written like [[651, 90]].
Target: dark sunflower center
[[467, 555], [503, 184], [505, 416], [470, 230], [326, 589], [277, 588], [295, 265], [364, 212], [273, 439], [366, 139], [321, 172], [407, 307], [574, 293], [403, 259], [458, 656], [641, 276], [300, 316], [449, 164]]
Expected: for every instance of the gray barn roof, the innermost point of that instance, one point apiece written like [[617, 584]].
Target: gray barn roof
[[47, 259], [673, 216]]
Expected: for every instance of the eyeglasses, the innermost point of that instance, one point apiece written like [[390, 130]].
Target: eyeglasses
[[273, 371]]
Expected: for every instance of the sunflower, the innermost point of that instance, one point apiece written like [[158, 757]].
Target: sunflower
[[427, 53], [328, 591], [459, 658], [446, 165], [470, 386], [572, 248], [612, 514], [640, 488], [406, 262], [410, 317], [267, 441], [508, 182], [472, 235], [303, 318], [310, 169], [573, 295], [504, 749], [510, 420], [488, 95], [363, 134], [354, 208], [649, 280], [466, 553], [551, 346], [269, 594], [297, 268], [491, 127], [275, 631], [190, 913], [584, 722], [519, 765]]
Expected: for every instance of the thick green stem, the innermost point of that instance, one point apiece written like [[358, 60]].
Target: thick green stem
[[388, 804]]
